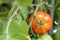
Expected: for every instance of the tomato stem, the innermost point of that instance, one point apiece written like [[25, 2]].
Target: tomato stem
[[31, 21], [40, 24], [33, 32], [37, 9]]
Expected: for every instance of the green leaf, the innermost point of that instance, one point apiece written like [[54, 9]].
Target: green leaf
[[8, 1], [15, 37], [24, 2], [18, 30], [24, 12], [57, 16], [2, 23], [56, 36], [20, 37], [3, 13], [19, 26], [1, 2]]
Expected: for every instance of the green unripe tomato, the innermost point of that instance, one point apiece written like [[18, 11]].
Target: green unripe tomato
[[45, 37]]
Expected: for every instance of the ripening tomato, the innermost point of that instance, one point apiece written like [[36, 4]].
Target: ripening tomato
[[42, 23]]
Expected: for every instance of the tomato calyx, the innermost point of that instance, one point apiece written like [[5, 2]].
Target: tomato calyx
[[40, 23]]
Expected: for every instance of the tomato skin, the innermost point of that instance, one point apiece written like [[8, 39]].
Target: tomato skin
[[44, 17]]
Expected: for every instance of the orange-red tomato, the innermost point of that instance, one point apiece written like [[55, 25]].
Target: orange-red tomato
[[42, 23]]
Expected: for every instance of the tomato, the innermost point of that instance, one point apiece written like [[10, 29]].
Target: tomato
[[42, 23], [45, 37]]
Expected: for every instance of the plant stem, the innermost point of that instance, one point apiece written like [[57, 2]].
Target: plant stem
[[31, 21], [37, 9], [33, 32], [12, 10], [9, 21], [57, 5]]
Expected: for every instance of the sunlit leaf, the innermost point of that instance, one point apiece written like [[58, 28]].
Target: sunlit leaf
[[24, 12], [18, 30], [19, 26], [24, 2]]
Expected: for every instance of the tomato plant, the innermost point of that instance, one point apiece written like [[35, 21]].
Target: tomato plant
[[29, 19], [42, 23]]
